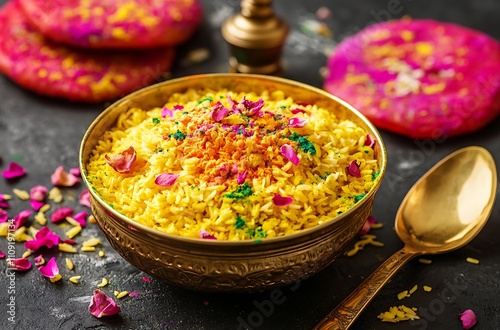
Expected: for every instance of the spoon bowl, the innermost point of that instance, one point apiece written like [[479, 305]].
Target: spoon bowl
[[443, 211]]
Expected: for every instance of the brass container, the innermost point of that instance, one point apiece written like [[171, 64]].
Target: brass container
[[236, 266]]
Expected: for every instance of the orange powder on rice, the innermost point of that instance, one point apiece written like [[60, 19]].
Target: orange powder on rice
[[228, 166]]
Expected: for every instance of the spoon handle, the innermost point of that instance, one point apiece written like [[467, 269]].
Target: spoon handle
[[344, 315]]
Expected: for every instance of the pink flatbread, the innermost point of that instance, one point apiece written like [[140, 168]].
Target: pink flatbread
[[111, 24], [420, 78], [75, 74]]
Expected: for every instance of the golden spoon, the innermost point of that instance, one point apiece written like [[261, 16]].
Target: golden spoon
[[442, 212]]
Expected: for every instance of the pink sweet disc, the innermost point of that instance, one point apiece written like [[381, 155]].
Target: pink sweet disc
[[56, 70], [420, 78], [111, 24]]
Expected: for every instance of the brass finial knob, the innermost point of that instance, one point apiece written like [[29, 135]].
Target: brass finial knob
[[256, 37]]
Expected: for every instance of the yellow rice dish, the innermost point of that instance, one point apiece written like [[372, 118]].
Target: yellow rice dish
[[227, 166]]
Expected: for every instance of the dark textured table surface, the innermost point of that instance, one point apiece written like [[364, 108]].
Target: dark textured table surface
[[42, 133]]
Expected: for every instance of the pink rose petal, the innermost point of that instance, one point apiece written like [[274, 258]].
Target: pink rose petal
[[61, 214], [102, 305], [50, 269], [38, 193], [166, 112], [178, 107], [166, 179], [287, 151], [370, 141], [81, 218], [62, 178], [75, 171], [468, 319], [68, 241], [146, 279], [2, 255], [44, 237], [122, 162], [297, 122], [39, 260], [35, 205], [279, 200], [241, 177], [19, 264], [84, 198], [3, 202], [206, 235], [250, 108], [14, 171], [219, 112], [367, 226], [21, 218], [134, 294], [353, 169], [297, 110], [4, 216]]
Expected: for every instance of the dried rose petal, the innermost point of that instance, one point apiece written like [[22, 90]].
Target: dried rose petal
[[370, 141], [84, 198], [62, 178], [75, 171], [4, 216], [146, 279], [206, 235], [279, 200], [353, 169], [367, 226], [297, 122], [19, 264], [166, 179], [219, 112], [44, 237], [122, 162], [68, 241], [468, 318], [241, 177], [81, 218], [102, 305], [50, 270], [61, 214], [14, 171], [166, 112], [134, 294], [178, 107], [250, 108], [39, 260], [38, 193], [35, 205], [287, 151], [297, 110], [2, 255], [4, 203], [21, 218]]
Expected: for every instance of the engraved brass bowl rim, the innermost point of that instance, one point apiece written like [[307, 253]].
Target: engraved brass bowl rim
[[229, 266]]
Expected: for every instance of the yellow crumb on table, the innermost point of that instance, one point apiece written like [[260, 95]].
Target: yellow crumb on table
[[472, 261]]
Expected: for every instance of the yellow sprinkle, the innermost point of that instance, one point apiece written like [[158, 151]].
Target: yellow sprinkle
[[365, 240], [407, 35], [433, 89], [4, 229], [103, 283], [74, 279], [7, 197], [26, 254], [412, 290], [92, 242], [122, 294], [41, 261], [21, 236], [72, 221], [55, 278], [427, 288], [397, 314], [65, 247], [120, 33], [55, 195], [73, 232], [377, 225], [92, 219], [424, 48], [41, 218], [425, 261], [33, 231], [402, 294], [69, 264], [116, 293], [87, 248], [22, 194], [42, 73], [44, 208], [472, 261], [101, 253]]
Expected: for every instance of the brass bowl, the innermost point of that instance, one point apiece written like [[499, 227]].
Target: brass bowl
[[242, 266]]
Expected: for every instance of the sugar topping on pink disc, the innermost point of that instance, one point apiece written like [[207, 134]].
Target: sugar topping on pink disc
[[56, 70], [419, 78], [124, 24]]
